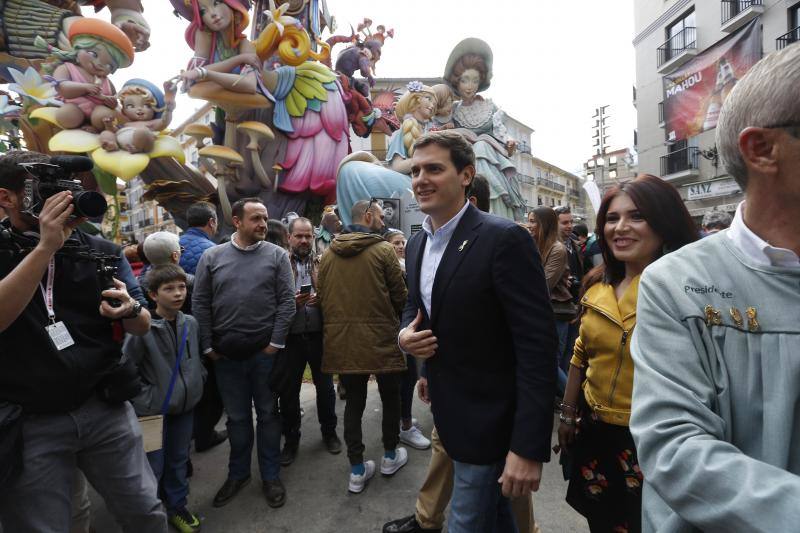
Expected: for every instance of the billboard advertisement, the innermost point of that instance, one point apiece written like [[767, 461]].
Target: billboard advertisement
[[694, 93]]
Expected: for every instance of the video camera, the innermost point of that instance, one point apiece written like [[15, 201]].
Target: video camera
[[19, 244], [54, 176]]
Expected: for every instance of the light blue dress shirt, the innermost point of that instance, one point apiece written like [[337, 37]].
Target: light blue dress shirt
[[435, 246]]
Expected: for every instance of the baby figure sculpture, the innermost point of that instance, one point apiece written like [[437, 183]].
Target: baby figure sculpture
[[145, 111]]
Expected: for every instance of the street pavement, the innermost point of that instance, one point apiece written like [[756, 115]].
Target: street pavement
[[316, 484]]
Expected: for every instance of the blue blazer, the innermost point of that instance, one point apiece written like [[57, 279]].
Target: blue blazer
[[493, 378]]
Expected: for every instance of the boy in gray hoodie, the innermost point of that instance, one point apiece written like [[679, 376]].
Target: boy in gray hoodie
[[172, 373]]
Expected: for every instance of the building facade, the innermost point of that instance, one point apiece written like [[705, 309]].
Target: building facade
[[612, 168], [668, 34]]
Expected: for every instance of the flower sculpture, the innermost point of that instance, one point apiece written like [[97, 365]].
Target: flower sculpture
[[33, 88], [120, 163]]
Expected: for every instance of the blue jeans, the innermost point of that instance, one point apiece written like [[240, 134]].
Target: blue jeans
[[562, 330], [302, 348], [243, 384], [102, 440], [477, 505], [169, 463]]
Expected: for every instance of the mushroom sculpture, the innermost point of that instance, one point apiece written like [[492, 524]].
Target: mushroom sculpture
[[256, 131], [199, 132], [225, 160]]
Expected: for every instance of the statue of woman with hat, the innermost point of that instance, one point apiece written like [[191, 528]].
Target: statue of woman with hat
[[469, 72]]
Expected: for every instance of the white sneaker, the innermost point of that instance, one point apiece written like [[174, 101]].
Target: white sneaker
[[390, 466], [357, 483], [414, 438]]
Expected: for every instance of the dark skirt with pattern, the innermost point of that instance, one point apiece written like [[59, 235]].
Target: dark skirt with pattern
[[605, 484]]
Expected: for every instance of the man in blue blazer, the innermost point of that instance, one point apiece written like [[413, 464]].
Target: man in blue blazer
[[479, 313]]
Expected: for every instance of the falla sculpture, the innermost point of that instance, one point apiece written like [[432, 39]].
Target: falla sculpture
[[87, 102]]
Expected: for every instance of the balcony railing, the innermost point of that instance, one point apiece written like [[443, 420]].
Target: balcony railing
[[550, 184], [732, 8], [680, 161], [575, 193], [523, 147], [684, 40], [524, 178], [785, 40]]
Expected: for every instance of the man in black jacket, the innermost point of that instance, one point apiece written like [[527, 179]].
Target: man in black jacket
[[479, 312], [59, 346]]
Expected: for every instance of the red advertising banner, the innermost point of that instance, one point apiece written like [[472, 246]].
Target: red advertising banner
[[694, 93]]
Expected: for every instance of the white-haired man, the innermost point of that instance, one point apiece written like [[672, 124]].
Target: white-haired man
[[717, 378], [162, 248]]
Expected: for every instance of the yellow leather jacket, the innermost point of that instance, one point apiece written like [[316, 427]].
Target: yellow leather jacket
[[603, 347]]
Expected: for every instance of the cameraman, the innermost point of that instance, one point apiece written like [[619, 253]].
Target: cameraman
[[59, 349]]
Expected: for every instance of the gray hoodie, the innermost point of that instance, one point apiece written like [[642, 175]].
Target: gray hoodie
[[155, 354]]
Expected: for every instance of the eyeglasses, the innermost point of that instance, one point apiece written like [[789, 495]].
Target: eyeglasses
[[793, 126]]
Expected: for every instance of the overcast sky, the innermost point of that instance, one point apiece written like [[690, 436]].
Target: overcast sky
[[554, 62]]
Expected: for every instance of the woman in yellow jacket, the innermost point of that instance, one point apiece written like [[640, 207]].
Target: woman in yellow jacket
[[636, 224]]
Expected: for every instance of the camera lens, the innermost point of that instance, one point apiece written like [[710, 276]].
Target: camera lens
[[89, 204]]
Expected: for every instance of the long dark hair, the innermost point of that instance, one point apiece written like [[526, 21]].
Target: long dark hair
[[547, 234], [661, 206], [277, 234]]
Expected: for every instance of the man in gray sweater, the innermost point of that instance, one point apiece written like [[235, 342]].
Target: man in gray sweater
[[244, 304]]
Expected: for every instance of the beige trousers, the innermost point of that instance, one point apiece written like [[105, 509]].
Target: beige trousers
[[438, 488]]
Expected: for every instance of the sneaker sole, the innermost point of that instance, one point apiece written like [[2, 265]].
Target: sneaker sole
[[414, 445], [390, 473], [353, 491]]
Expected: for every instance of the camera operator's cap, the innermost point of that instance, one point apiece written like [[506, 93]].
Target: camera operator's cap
[[105, 32], [152, 89]]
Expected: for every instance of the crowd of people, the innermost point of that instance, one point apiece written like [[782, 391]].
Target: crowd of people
[[668, 349]]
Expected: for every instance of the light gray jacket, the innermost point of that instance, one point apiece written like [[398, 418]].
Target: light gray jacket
[[716, 393], [155, 354]]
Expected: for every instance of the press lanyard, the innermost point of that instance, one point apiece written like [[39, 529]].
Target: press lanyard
[[47, 293]]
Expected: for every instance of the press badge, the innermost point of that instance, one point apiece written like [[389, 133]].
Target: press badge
[[59, 335]]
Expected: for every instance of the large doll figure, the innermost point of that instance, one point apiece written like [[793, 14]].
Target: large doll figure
[[222, 54], [80, 73], [414, 110], [146, 110], [469, 71], [360, 176]]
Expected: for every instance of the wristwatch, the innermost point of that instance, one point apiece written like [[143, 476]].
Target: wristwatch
[[137, 308]]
